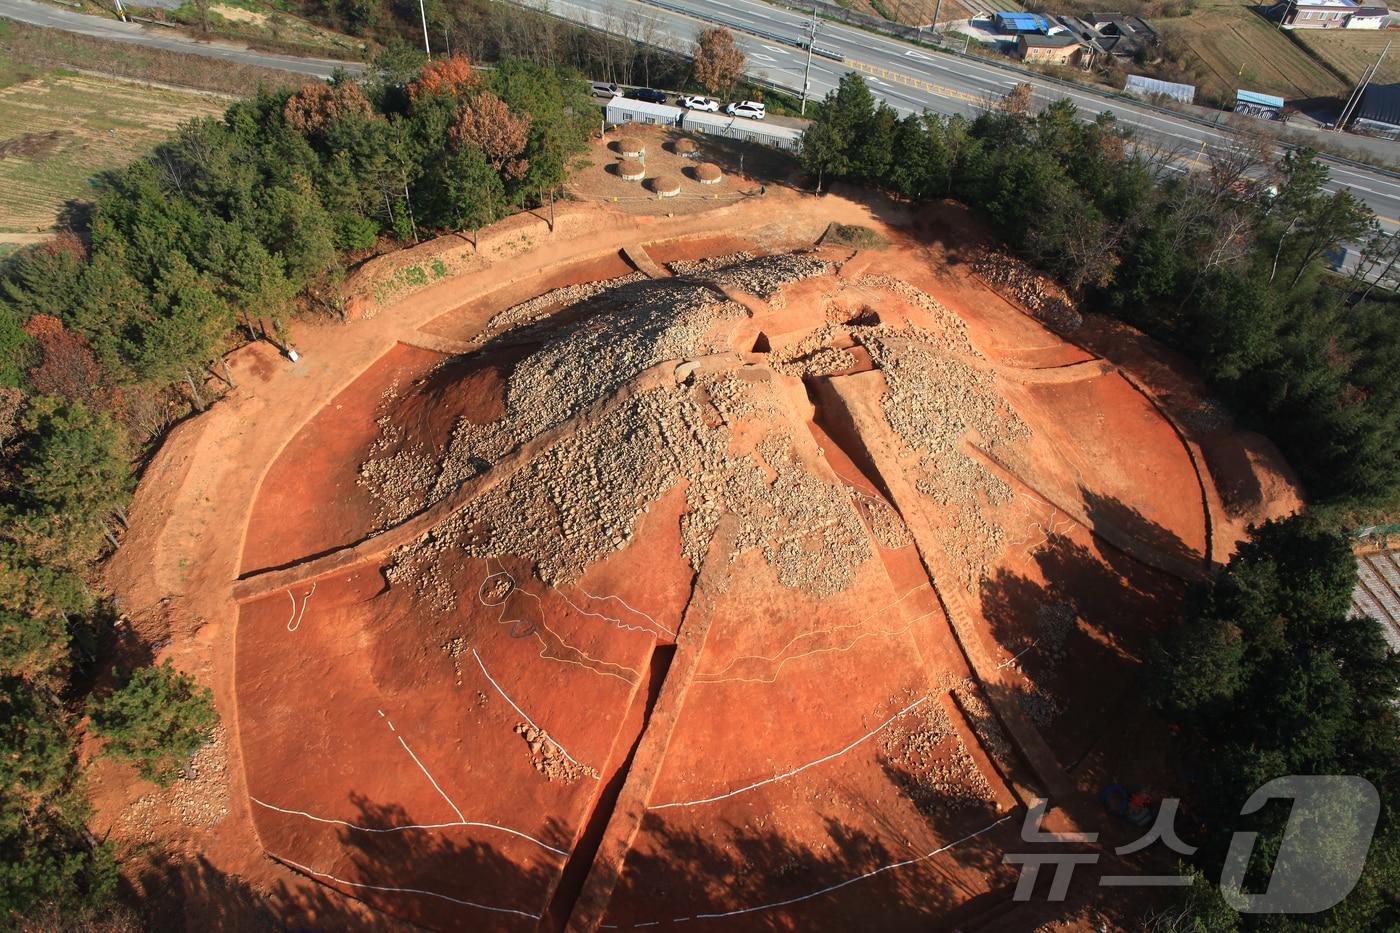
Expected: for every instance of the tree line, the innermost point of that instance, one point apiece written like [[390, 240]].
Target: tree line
[[216, 237], [1227, 265], [1269, 674]]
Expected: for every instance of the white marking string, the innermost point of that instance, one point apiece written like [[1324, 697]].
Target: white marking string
[[550, 736], [613, 619], [380, 887], [408, 826], [630, 608], [848, 881], [429, 776], [294, 621], [788, 774]]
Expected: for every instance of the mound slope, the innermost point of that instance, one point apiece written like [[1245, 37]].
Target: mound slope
[[664, 602]]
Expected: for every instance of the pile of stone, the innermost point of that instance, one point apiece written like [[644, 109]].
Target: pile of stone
[[926, 755], [1018, 282], [551, 302], [581, 499], [934, 401]]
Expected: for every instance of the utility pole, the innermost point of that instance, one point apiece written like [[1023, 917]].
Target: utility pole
[[1354, 100], [121, 11], [937, 5], [424, 13], [807, 78]]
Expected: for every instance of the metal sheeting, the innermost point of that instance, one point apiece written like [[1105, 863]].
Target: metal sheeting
[[621, 110], [720, 124], [1146, 87]]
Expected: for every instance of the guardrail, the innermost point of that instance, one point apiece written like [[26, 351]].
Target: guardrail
[[933, 42], [748, 30]]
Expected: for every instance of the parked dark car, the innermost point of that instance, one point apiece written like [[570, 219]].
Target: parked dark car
[[646, 94]]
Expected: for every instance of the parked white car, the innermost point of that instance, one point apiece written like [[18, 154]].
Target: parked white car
[[600, 89], [747, 108], [697, 102]]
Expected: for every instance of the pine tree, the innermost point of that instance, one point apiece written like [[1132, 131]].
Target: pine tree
[[158, 719]]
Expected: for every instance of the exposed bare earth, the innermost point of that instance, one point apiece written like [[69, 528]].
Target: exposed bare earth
[[760, 588]]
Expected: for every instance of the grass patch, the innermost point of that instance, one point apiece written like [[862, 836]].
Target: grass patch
[[59, 130], [1352, 51], [853, 236]]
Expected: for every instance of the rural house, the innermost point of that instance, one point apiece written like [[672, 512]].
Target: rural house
[[1121, 35], [1047, 50], [1328, 14]]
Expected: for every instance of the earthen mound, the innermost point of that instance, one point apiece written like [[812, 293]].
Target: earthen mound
[[741, 544]]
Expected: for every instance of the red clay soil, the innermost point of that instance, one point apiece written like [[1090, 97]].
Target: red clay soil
[[311, 500], [1099, 444], [794, 795], [369, 714]]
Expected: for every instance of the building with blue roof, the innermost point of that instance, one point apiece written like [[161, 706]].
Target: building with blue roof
[[1019, 23]]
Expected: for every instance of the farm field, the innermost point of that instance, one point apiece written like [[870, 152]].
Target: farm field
[[59, 130], [1235, 48], [1351, 52]]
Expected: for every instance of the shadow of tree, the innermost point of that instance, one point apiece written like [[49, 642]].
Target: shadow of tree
[[1079, 636], [1110, 514]]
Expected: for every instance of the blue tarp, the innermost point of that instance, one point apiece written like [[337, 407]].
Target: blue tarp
[[1007, 21]]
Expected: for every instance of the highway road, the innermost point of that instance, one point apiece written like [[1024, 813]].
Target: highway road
[[42, 14], [911, 78]]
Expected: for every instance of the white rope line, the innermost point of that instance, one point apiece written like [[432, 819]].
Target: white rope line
[[788, 774], [630, 608], [1012, 660], [294, 620], [398, 829], [849, 881], [379, 887], [550, 736], [613, 619], [429, 776]]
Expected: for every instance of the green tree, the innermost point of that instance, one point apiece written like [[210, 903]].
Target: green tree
[[158, 719], [1271, 675], [47, 860], [70, 474]]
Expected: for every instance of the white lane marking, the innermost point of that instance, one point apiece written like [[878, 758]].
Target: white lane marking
[[380, 887], [549, 735], [798, 770], [398, 829]]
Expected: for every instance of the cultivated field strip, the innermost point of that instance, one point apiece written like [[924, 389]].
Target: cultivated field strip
[[58, 132]]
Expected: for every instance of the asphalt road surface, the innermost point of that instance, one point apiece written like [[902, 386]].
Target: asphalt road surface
[[912, 79], [41, 14]]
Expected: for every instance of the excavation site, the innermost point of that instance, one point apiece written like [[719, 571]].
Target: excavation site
[[756, 578]]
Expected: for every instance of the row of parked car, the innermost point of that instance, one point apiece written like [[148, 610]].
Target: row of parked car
[[752, 109]]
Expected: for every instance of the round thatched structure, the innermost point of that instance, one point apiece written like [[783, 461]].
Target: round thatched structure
[[708, 173], [666, 186], [685, 147], [631, 147], [631, 170]]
